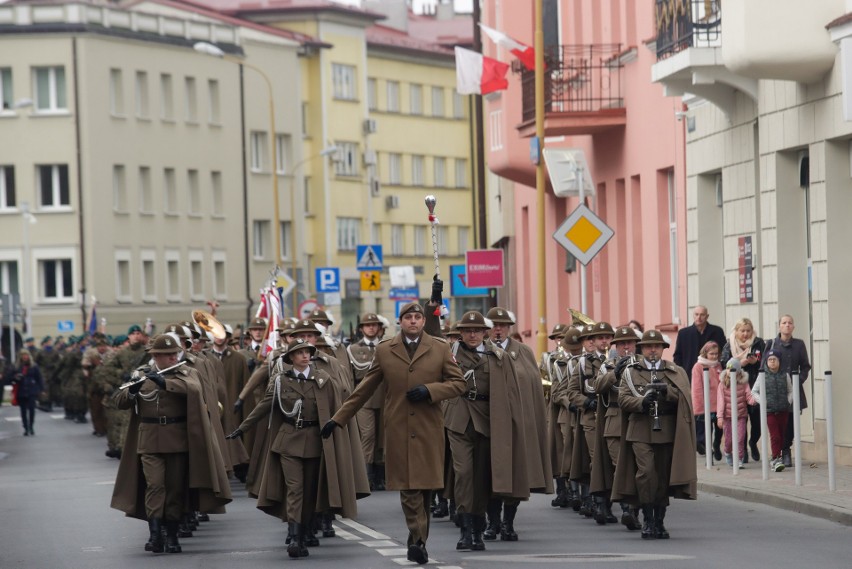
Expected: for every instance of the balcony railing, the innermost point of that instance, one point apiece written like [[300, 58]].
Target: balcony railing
[[578, 79], [682, 24]]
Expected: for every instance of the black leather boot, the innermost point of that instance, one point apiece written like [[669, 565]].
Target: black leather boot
[[454, 514], [608, 515], [575, 500], [561, 499], [371, 476], [478, 527], [327, 527], [507, 530], [466, 540], [587, 507], [155, 541], [648, 526], [184, 527], [172, 544], [297, 546], [202, 517], [660, 529], [380, 477], [628, 517], [442, 509], [493, 511], [600, 510], [309, 531]]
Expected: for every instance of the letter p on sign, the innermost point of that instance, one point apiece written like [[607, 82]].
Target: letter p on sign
[[328, 279]]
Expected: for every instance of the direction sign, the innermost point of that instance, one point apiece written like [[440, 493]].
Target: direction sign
[[65, 325], [398, 293], [371, 280], [285, 283], [328, 279], [583, 234], [369, 257]]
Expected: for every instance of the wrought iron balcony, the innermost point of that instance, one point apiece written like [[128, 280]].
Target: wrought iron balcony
[[682, 24], [582, 89]]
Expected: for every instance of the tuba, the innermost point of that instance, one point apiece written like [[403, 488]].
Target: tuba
[[580, 319], [209, 323]]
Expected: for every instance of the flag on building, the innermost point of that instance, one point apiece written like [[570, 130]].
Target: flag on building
[[522, 51], [479, 75]]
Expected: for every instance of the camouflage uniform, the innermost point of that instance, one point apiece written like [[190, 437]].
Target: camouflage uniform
[[73, 385], [115, 371]]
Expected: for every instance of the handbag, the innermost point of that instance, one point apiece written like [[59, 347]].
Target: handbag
[[15, 394]]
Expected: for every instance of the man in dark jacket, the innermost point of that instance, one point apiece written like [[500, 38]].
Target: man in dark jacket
[[691, 339]]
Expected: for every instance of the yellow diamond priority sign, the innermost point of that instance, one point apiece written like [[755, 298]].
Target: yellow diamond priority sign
[[583, 234]]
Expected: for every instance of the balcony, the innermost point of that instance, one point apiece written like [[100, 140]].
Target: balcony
[[582, 91]]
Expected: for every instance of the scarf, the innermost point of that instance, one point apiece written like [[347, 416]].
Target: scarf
[[739, 350], [708, 363]]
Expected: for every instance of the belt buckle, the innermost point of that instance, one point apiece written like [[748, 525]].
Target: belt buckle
[[299, 423], [472, 394], [163, 420]]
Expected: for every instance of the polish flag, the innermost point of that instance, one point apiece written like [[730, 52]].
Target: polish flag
[[523, 52], [479, 75]]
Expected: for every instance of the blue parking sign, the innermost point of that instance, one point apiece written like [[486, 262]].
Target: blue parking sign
[[328, 279]]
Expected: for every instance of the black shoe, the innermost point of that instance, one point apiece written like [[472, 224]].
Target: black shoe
[[628, 518], [495, 505], [599, 513], [297, 543], [587, 508], [202, 517], [172, 544], [755, 454], [507, 529], [310, 539], [701, 449], [155, 540], [608, 515], [442, 510], [787, 458], [648, 525], [659, 529], [466, 540], [417, 553], [561, 499], [327, 527], [26, 433], [380, 477], [478, 526]]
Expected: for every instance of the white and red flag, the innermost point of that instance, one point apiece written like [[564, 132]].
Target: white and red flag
[[479, 75], [522, 51]]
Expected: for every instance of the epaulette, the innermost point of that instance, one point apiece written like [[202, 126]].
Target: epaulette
[[382, 341], [444, 340]]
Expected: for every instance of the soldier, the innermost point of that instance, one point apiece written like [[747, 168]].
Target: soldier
[[93, 358], [115, 372], [74, 382], [170, 436], [418, 371], [532, 400], [555, 369], [361, 355], [297, 400], [252, 351], [323, 318], [657, 455], [47, 359]]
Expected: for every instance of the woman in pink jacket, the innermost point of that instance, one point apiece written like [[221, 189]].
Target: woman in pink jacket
[[708, 357], [724, 413]]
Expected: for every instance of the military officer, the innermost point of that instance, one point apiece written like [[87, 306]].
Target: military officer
[[657, 455], [418, 371], [553, 372], [323, 318], [252, 350]]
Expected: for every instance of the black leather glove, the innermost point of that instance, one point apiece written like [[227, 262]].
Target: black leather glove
[[437, 289], [646, 404], [236, 433], [419, 393], [619, 367], [135, 387], [328, 428], [238, 405], [661, 388], [572, 407], [652, 395], [157, 378], [590, 404], [252, 363]]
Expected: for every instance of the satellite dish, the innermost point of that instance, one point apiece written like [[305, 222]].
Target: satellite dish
[[565, 166]]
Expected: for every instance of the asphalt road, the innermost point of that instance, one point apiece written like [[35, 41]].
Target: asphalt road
[[54, 510]]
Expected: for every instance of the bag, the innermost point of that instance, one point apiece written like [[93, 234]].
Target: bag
[[15, 394]]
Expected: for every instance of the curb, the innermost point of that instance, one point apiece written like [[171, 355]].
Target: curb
[[800, 506]]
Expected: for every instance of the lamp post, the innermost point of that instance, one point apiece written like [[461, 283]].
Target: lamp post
[[28, 219]]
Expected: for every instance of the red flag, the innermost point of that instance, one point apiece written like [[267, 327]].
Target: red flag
[[477, 74], [522, 51]]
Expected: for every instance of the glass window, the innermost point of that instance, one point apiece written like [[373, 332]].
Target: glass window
[[119, 188], [191, 102], [258, 151], [146, 199], [417, 170], [395, 167], [194, 191], [419, 240], [149, 279], [167, 97], [170, 191], [461, 173], [464, 240], [372, 94], [7, 94], [213, 92], [173, 275], [284, 234], [116, 92], [8, 199], [343, 80], [416, 99], [50, 89], [217, 191], [9, 277], [346, 163], [260, 241], [393, 96], [443, 235], [348, 233], [53, 186], [55, 279], [282, 153], [437, 101], [196, 279], [219, 279], [142, 106], [122, 279], [397, 239], [458, 105], [440, 169]]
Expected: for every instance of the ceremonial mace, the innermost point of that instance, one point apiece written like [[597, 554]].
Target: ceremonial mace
[[433, 221]]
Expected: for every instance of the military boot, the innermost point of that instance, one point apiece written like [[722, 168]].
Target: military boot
[[155, 541], [507, 531], [184, 527], [453, 514], [575, 500], [478, 526], [587, 506], [608, 515], [600, 510], [441, 509], [494, 507], [561, 499], [371, 476], [202, 517], [172, 544], [297, 546], [628, 517], [648, 526], [466, 540], [327, 527], [309, 531], [380, 477], [659, 529]]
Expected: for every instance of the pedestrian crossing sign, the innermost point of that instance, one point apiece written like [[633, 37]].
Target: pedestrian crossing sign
[[369, 258], [371, 280], [583, 234]]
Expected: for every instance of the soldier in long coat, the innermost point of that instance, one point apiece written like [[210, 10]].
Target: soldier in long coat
[[558, 366], [417, 371], [655, 464]]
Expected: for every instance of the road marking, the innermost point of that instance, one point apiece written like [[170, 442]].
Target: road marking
[[345, 534], [105, 483], [403, 561], [57, 416], [94, 548], [363, 529], [13, 419], [578, 558], [383, 543], [394, 551]]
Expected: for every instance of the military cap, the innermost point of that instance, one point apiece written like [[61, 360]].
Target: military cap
[[29, 339], [474, 319], [600, 329], [134, 328], [652, 337], [321, 316], [626, 334], [286, 326], [369, 318], [257, 324], [410, 307], [72, 339], [445, 330], [305, 326], [572, 337], [454, 331], [501, 315], [558, 331], [165, 344], [296, 345], [118, 340], [45, 340]]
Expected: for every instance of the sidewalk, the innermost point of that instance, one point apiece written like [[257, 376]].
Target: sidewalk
[[812, 498]]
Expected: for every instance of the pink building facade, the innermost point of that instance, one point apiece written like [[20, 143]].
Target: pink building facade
[[601, 101]]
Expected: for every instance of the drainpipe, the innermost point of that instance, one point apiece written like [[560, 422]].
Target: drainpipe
[[79, 158]]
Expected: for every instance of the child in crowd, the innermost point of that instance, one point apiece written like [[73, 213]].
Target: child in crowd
[[708, 357], [733, 374], [778, 397]]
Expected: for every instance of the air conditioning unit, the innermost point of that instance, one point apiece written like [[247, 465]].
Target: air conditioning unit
[[369, 126], [369, 157], [375, 188], [392, 202]]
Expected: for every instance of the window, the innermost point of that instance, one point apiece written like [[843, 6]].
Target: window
[[170, 191], [53, 186], [673, 256], [194, 192], [437, 101], [196, 275], [372, 94], [146, 199], [7, 94], [7, 187], [213, 103], [9, 277], [285, 234], [173, 275], [393, 96], [443, 236], [217, 193], [116, 92], [258, 151], [461, 173], [122, 276], [167, 98], [397, 239], [282, 153], [307, 191], [149, 276], [416, 102], [305, 115], [119, 189], [458, 105], [220, 289], [417, 170], [419, 240], [395, 166], [464, 240], [55, 280], [50, 89], [440, 168], [142, 106], [348, 233], [343, 81], [495, 130], [347, 159], [260, 241], [190, 100]]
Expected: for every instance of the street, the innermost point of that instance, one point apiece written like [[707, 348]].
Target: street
[[56, 489]]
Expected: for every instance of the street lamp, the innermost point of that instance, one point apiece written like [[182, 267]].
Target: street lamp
[[28, 219]]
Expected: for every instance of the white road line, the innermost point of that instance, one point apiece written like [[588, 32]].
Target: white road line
[[16, 419], [382, 543], [449, 567], [57, 416], [390, 552], [105, 483], [403, 561], [345, 534], [363, 529]]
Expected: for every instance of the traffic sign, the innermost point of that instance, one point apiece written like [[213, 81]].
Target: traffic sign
[[484, 268], [369, 257], [65, 325], [328, 279], [398, 293], [285, 283], [306, 307], [583, 234], [458, 283], [371, 280]]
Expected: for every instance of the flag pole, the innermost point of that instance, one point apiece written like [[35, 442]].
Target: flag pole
[[539, 176]]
